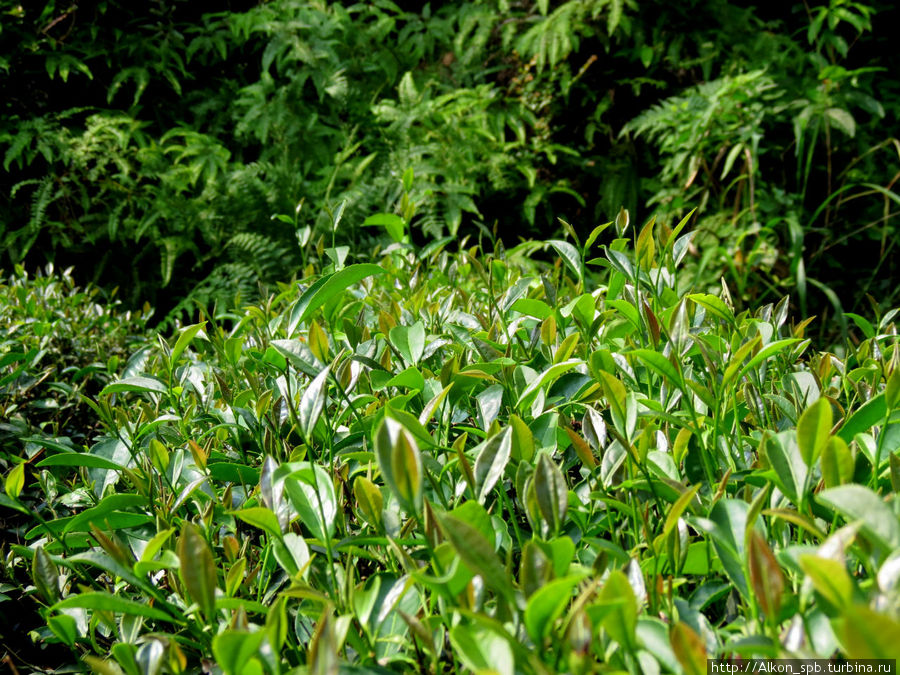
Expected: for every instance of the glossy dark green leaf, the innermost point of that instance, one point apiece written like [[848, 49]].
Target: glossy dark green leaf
[[488, 402], [536, 568], [791, 471], [476, 515], [292, 553], [409, 422], [659, 364], [764, 353], [64, 627], [432, 406], [866, 416], [101, 513], [544, 379], [729, 520], [298, 354], [45, 576]]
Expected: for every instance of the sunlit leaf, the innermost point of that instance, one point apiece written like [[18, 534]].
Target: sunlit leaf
[[327, 287], [814, 430]]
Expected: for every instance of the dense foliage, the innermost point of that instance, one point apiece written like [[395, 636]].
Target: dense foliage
[[405, 406], [441, 461], [57, 344], [167, 134]]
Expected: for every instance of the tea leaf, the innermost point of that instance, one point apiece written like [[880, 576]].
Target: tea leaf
[[311, 493], [837, 462], [829, 578], [766, 577], [570, 255], [188, 333], [645, 249], [550, 493], [478, 555], [621, 621], [492, 458], [15, 481], [814, 430], [45, 576], [369, 500], [261, 517], [482, 650], [547, 604], [856, 502], [198, 571], [134, 384], [325, 288], [409, 341], [400, 462], [866, 416], [107, 602], [312, 403], [549, 375], [236, 650], [689, 649]]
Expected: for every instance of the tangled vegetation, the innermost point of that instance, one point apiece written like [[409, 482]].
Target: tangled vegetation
[[472, 460], [168, 134]]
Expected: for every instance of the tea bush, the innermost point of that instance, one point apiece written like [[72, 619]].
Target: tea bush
[[471, 459]]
